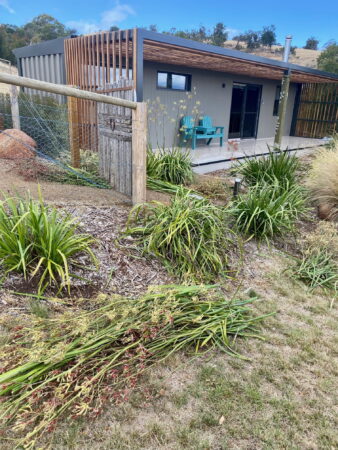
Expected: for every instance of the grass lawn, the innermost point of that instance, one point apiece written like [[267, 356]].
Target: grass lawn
[[284, 397]]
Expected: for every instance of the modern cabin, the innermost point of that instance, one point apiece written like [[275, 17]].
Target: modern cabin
[[238, 90]]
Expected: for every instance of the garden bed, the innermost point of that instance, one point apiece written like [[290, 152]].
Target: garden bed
[[121, 269], [277, 394]]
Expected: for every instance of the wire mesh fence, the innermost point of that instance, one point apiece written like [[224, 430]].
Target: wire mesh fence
[[93, 138], [42, 146], [66, 139]]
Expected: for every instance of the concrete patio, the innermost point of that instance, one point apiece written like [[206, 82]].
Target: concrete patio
[[208, 158]]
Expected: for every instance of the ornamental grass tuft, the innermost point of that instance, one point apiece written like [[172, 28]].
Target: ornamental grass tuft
[[171, 165], [277, 167], [40, 241], [268, 210], [322, 181], [189, 236]]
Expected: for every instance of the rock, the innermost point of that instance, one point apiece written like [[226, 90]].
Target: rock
[[324, 211], [15, 144]]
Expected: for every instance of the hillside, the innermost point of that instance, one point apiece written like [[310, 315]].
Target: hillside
[[302, 57]]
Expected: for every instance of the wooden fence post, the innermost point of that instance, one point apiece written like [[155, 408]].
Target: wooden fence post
[[15, 107], [139, 153], [74, 138], [284, 93]]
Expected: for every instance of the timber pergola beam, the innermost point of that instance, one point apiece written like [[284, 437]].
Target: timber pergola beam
[[64, 90]]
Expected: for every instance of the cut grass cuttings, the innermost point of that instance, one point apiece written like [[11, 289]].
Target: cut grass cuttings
[[280, 167], [39, 241], [267, 210], [77, 364], [172, 165], [189, 236]]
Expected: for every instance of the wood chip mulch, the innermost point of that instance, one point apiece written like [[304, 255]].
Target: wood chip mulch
[[122, 269]]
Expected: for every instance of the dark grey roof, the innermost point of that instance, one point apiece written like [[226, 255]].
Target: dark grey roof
[[187, 43], [51, 47], [56, 46]]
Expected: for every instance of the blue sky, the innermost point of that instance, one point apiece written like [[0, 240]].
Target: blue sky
[[301, 18]]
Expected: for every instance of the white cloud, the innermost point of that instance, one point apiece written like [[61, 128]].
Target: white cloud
[[5, 4], [83, 27], [116, 15], [113, 16], [233, 32]]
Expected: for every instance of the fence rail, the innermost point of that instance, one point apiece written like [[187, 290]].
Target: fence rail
[[137, 139]]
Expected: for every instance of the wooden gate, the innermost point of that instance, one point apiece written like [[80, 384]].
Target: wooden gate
[[317, 115], [115, 139]]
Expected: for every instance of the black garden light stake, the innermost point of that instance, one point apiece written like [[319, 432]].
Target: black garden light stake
[[237, 186]]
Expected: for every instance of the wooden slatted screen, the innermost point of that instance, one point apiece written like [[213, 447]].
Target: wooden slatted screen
[[92, 63], [317, 115]]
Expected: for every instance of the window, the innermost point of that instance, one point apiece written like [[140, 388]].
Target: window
[[276, 102], [175, 81]]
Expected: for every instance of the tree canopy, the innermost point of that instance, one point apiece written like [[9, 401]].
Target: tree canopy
[[220, 34], [268, 36], [254, 39], [328, 59], [311, 43], [41, 28]]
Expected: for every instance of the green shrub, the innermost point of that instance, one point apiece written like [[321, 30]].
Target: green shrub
[[39, 241], [171, 165], [189, 235], [267, 210], [280, 167]]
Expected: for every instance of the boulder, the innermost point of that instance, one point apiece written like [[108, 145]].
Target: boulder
[[325, 211], [15, 144]]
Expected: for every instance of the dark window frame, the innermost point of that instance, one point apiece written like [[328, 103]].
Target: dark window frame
[[187, 87], [275, 110]]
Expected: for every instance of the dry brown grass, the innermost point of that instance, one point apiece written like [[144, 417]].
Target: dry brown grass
[[323, 181], [303, 57]]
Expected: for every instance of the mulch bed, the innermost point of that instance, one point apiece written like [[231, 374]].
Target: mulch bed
[[122, 269]]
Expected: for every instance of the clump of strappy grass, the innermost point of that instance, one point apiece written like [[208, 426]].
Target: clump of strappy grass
[[268, 210], [40, 241], [317, 269], [189, 236], [318, 263], [276, 167], [172, 165]]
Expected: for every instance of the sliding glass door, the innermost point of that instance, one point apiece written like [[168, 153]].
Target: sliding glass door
[[244, 113]]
